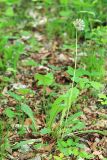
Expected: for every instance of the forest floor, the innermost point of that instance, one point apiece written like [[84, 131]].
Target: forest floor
[[49, 58]]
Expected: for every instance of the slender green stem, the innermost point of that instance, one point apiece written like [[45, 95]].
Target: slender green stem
[[74, 75], [44, 104], [76, 56]]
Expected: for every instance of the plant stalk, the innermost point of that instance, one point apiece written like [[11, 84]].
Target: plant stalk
[[74, 75]]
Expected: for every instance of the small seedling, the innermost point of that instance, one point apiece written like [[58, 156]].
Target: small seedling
[[23, 106], [45, 81]]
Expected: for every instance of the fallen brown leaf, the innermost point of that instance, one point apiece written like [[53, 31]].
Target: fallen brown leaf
[[47, 148], [28, 122]]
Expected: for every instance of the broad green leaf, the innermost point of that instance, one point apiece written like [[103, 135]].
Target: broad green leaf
[[25, 91], [78, 73], [73, 118], [9, 113], [75, 151], [45, 80], [78, 126], [12, 70], [96, 85], [45, 131], [39, 145], [63, 143], [104, 102], [56, 108], [70, 98], [21, 143], [15, 96], [79, 145], [76, 115], [64, 2], [26, 109], [9, 12], [102, 96], [84, 154], [70, 70], [29, 62], [72, 95], [65, 13], [5, 79], [69, 142]]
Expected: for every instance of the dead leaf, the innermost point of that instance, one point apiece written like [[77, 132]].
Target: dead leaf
[[28, 122], [96, 153], [15, 154], [47, 148], [1, 111], [62, 58], [48, 90]]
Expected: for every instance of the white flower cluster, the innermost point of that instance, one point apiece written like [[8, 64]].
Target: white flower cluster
[[19, 86], [79, 24]]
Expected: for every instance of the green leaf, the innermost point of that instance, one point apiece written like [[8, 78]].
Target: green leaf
[[75, 151], [96, 85], [45, 80], [102, 96], [15, 96], [29, 62], [65, 13], [79, 145], [9, 12], [45, 131], [76, 115], [63, 143], [72, 95], [78, 73], [12, 70], [64, 2], [84, 154], [1, 64], [104, 102], [25, 91], [9, 113], [73, 119], [78, 126], [26, 109], [70, 70], [21, 143], [39, 145], [69, 142], [104, 132], [88, 12], [57, 107], [84, 83]]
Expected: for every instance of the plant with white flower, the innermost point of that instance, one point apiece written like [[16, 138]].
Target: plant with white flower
[[79, 24]]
